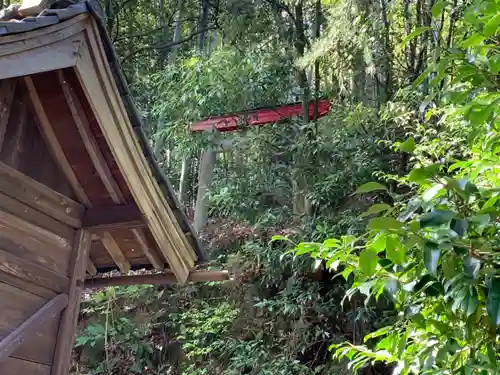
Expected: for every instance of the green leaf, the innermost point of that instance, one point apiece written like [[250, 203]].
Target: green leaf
[[368, 261], [449, 264], [490, 29], [376, 208], [379, 332], [394, 251], [438, 8], [490, 202], [280, 238], [369, 187], [418, 31], [492, 354], [379, 242], [493, 302], [436, 218], [431, 257], [470, 302], [420, 175], [432, 192], [387, 223], [494, 63], [408, 145]]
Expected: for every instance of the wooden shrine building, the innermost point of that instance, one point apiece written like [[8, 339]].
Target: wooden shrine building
[[80, 193]]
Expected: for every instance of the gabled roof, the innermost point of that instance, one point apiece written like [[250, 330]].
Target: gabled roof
[[73, 41]]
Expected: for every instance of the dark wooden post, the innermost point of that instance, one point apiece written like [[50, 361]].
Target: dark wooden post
[[69, 319]]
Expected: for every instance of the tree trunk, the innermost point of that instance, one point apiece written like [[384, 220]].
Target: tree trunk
[[301, 205], [205, 175], [208, 157], [184, 185]]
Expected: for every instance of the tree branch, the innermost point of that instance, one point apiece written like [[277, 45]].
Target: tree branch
[[278, 4], [165, 46]]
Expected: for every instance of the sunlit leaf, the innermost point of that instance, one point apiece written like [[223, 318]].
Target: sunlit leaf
[[380, 223], [408, 145], [376, 208], [368, 261], [490, 29], [418, 31], [369, 187]]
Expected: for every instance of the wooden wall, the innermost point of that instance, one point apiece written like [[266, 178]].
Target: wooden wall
[[38, 218]]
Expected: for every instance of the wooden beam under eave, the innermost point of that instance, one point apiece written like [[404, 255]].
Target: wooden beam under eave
[[165, 278], [100, 89], [91, 268], [53, 143], [150, 253], [81, 122], [115, 252], [113, 217]]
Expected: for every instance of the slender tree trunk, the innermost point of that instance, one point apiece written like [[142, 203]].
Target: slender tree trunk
[[184, 180], [301, 205], [205, 176], [209, 155], [160, 141], [387, 52]]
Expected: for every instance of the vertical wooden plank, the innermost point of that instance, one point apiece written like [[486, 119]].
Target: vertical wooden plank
[[55, 147], [67, 327], [17, 141], [7, 90]]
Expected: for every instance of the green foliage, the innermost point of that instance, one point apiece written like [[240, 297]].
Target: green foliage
[[401, 178], [434, 256]]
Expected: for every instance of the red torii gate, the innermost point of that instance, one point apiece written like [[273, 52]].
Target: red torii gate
[[258, 117]]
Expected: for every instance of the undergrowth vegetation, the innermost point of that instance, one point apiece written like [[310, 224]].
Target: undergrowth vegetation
[[396, 189]]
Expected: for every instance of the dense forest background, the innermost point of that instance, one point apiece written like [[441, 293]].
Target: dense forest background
[[396, 190]]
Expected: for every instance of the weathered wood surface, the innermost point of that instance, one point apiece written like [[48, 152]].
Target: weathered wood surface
[[35, 217], [97, 81], [148, 250], [15, 366], [114, 251], [165, 278], [81, 122], [30, 271], [7, 90], [51, 139], [91, 269], [21, 305], [67, 328], [25, 285], [35, 244], [113, 217], [45, 58], [32, 327], [40, 197]]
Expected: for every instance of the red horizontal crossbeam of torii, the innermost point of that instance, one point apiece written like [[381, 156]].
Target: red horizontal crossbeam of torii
[[258, 117]]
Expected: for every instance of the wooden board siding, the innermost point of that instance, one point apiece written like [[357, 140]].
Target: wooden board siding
[[15, 366], [37, 235], [22, 304]]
